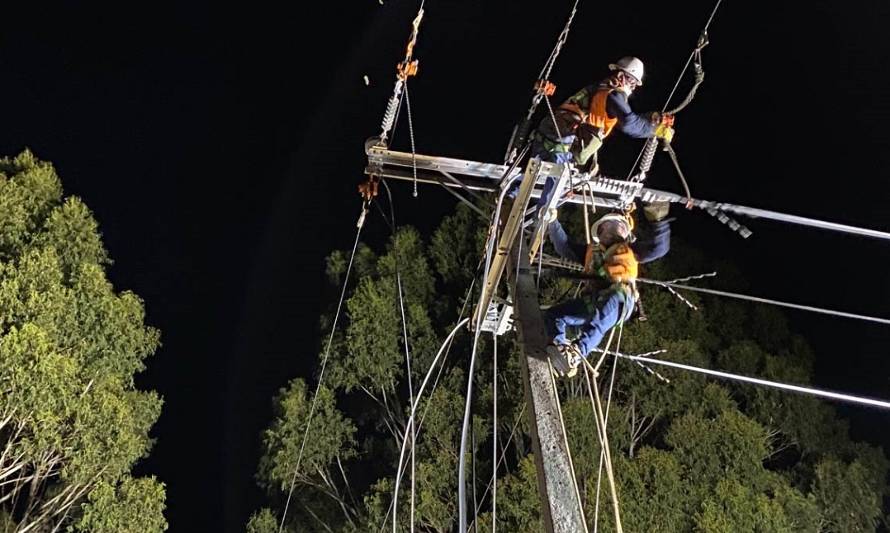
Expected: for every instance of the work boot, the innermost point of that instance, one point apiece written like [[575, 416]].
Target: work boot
[[565, 359]]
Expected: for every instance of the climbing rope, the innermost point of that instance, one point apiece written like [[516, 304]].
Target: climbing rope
[[599, 417], [324, 363], [606, 420], [461, 322], [447, 344], [490, 245], [565, 436], [501, 460], [461, 473], [590, 369], [417, 398]]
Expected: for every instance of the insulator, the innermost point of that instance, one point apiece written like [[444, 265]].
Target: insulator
[[392, 108], [648, 155]]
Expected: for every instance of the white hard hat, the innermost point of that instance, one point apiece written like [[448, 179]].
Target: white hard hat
[[614, 218], [630, 65]]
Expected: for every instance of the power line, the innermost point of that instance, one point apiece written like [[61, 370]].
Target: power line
[[324, 363], [418, 397], [757, 381], [691, 55], [677, 84], [765, 301], [411, 427], [447, 345]]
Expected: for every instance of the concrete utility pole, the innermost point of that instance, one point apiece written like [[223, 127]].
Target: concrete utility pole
[[560, 500]]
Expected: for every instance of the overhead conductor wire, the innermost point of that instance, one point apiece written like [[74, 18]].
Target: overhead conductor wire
[[410, 427], [679, 79], [461, 482], [766, 383], [324, 363]]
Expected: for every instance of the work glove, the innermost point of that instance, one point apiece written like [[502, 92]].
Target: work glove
[[664, 132], [620, 263]]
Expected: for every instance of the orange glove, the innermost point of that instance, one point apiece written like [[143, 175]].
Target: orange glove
[[620, 263], [667, 120]]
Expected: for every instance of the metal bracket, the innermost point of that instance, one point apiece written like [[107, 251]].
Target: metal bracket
[[559, 189], [498, 318], [511, 228]]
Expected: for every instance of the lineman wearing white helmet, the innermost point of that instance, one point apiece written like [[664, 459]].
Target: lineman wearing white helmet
[[577, 326], [588, 117], [582, 123]]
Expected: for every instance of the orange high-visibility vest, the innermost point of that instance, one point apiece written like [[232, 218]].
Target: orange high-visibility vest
[[596, 115]]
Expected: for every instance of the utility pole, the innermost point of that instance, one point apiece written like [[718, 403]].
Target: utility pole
[[561, 508]]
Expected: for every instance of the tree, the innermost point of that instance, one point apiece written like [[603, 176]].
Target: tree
[[72, 423], [689, 455]]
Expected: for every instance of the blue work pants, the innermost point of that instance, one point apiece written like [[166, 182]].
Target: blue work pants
[[590, 319]]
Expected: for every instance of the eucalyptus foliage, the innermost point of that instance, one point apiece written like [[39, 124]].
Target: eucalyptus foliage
[[72, 423], [689, 455]]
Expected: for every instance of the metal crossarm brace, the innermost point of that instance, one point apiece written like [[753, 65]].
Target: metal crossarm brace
[[559, 190], [508, 237], [608, 193]]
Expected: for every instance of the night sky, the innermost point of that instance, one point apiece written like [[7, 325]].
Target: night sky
[[220, 149]]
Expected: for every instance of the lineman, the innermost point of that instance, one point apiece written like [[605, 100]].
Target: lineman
[[612, 259], [578, 127], [588, 117]]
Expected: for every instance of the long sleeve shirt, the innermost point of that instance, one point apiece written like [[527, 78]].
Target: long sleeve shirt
[[629, 122]]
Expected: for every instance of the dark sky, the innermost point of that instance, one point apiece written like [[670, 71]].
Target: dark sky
[[220, 149]]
